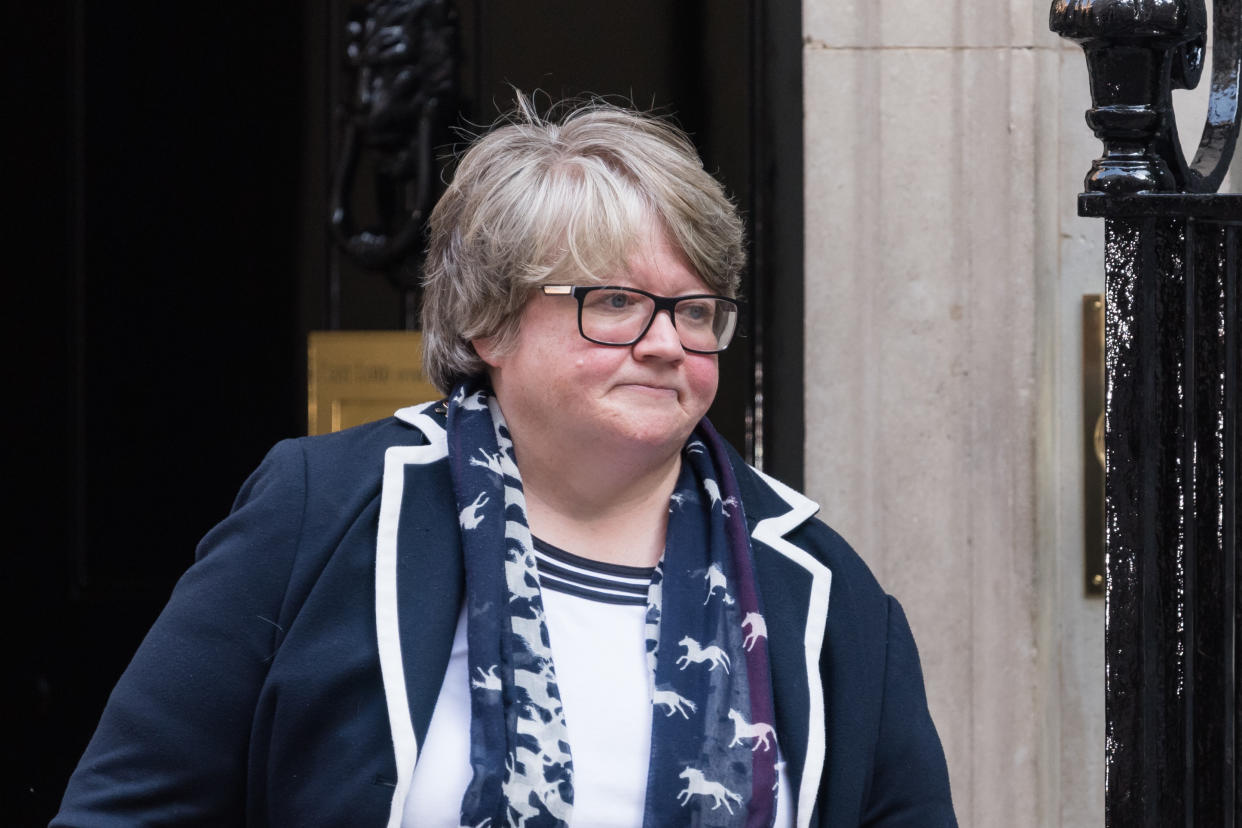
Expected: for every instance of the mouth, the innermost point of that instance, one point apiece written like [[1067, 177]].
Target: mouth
[[656, 391]]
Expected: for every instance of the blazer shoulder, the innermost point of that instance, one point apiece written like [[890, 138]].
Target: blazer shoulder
[[764, 499], [848, 567], [362, 445], [350, 457], [328, 480]]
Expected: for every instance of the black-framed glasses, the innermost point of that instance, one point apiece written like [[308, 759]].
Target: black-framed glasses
[[611, 315]]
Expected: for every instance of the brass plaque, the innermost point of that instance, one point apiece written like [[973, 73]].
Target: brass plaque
[[356, 377], [1093, 380]]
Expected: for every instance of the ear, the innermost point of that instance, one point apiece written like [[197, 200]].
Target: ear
[[488, 350]]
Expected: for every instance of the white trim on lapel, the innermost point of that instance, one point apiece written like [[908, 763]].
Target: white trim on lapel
[[405, 743], [772, 531]]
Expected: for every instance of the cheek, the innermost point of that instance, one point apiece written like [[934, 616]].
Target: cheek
[[596, 364], [703, 377]]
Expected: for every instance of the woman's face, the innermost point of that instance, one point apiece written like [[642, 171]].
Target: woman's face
[[556, 386]]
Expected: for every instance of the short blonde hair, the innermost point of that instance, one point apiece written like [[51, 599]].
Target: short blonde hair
[[564, 198]]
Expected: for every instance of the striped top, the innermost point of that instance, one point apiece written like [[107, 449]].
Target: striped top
[[607, 583]]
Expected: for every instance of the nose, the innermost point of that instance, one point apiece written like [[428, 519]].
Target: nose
[[661, 340]]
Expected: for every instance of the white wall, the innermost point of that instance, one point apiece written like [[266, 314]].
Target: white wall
[[945, 266]]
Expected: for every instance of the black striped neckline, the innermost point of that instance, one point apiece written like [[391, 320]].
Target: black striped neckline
[[565, 572]]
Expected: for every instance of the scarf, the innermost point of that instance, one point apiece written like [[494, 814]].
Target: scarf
[[713, 756]]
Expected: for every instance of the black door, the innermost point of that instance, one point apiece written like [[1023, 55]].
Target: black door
[[169, 171]]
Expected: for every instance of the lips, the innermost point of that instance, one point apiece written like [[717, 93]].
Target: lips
[[651, 388]]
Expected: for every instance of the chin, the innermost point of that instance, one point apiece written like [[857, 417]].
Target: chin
[[662, 426], [664, 436]]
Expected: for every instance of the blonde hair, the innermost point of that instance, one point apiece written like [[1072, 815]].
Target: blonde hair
[[563, 198]]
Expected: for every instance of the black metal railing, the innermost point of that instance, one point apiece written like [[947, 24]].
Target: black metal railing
[[1174, 367]]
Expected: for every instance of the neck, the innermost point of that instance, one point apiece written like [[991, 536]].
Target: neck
[[606, 509]]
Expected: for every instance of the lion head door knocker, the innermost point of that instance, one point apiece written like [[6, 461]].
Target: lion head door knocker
[[402, 54], [1138, 52]]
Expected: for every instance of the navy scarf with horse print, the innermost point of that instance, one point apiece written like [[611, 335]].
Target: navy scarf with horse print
[[713, 757]]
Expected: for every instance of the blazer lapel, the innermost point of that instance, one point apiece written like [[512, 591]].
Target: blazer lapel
[[419, 585], [796, 587]]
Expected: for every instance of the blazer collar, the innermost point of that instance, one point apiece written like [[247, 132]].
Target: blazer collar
[[429, 418]]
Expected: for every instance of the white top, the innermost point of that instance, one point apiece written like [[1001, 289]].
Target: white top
[[596, 624]]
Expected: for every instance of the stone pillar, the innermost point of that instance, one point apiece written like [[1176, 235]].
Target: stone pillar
[[944, 272]]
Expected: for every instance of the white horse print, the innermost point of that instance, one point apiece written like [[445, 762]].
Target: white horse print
[[522, 579], [713, 492], [526, 770], [758, 629], [699, 785], [716, 581], [759, 731], [696, 654], [470, 517], [538, 691], [475, 402], [491, 462], [674, 702], [488, 680], [504, 442], [530, 630], [520, 804]]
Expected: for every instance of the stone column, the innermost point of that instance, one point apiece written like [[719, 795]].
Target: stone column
[[944, 270]]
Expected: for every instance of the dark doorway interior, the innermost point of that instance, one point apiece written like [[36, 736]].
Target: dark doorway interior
[[157, 179], [170, 175]]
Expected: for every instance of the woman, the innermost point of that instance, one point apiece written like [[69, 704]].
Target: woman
[[556, 597]]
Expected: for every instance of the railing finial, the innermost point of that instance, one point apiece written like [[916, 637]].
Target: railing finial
[[1138, 52]]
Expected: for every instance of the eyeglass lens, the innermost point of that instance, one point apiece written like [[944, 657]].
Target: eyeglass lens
[[619, 317]]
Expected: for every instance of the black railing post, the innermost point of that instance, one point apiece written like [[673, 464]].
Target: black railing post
[[1174, 370]]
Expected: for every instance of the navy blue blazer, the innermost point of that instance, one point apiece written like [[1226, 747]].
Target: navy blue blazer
[[291, 678]]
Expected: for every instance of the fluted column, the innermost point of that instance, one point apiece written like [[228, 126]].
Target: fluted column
[[944, 274]]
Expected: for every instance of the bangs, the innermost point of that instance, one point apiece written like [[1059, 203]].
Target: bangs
[[585, 223]]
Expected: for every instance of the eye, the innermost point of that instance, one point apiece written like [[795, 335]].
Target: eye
[[612, 301], [696, 312]]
